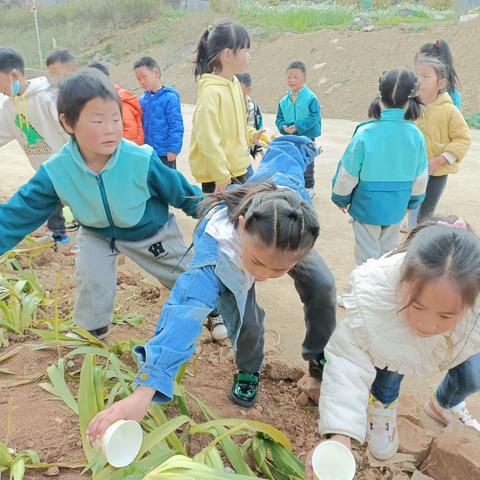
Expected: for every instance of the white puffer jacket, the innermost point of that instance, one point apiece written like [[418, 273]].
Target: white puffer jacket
[[375, 334]]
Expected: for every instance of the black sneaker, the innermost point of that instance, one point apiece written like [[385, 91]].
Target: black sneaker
[[244, 389], [315, 366]]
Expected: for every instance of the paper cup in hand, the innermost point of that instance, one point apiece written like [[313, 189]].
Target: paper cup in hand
[[332, 460], [120, 443]]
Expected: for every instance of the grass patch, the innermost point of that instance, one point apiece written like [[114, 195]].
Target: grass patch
[[81, 25], [300, 17]]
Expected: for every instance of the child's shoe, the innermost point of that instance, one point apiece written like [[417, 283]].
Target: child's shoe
[[382, 432], [217, 327], [60, 237], [244, 389], [446, 416], [315, 366]]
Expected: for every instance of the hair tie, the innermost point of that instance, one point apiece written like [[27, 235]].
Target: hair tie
[[458, 223], [436, 44]]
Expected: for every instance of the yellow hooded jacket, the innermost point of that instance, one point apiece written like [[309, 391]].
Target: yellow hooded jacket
[[445, 131], [219, 145]]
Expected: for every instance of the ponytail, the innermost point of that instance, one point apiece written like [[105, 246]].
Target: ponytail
[[414, 108], [375, 110], [201, 61]]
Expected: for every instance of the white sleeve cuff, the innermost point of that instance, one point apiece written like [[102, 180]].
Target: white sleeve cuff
[[449, 157]]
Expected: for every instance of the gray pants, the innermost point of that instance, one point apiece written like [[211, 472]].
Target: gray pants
[[164, 255], [373, 241], [316, 286], [435, 188]]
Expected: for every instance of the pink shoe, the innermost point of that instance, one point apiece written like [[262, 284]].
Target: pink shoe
[[447, 416]]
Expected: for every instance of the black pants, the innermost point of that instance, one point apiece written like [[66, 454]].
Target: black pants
[[56, 220], [169, 164], [316, 286], [209, 187], [309, 175], [435, 188]]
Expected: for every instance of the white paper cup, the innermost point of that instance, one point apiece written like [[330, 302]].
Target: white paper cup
[[121, 443], [332, 460]]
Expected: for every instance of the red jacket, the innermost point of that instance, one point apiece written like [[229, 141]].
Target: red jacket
[[132, 116]]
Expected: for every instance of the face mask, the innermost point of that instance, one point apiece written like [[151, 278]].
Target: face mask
[[15, 88]]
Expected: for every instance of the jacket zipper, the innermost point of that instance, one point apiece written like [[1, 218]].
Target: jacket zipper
[[108, 212]]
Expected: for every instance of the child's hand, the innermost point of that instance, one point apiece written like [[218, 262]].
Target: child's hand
[[291, 129], [171, 157], [435, 163], [221, 187], [258, 135], [134, 407]]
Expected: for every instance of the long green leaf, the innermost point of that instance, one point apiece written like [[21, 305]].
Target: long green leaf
[[89, 398], [253, 425], [160, 433], [17, 470], [59, 387], [5, 458]]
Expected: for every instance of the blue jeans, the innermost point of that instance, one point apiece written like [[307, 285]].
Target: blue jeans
[[459, 383]]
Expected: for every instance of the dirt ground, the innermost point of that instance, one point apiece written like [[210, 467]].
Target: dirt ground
[[52, 431], [343, 66]]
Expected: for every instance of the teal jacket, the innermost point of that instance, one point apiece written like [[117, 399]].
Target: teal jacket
[[384, 170], [304, 114], [128, 200]]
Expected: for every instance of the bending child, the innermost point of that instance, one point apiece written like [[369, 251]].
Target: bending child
[[249, 233], [414, 312]]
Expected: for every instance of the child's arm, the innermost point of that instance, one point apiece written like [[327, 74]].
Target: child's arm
[[26, 210], [347, 378], [348, 173], [174, 118], [172, 187], [130, 123], [459, 134], [280, 121], [305, 124], [193, 297], [421, 179]]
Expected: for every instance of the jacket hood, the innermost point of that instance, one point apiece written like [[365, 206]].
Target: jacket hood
[[210, 79], [36, 85], [162, 91]]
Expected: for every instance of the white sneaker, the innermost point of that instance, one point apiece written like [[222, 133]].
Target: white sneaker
[[382, 431], [446, 416], [217, 327]]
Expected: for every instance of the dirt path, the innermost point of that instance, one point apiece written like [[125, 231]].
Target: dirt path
[[284, 320]]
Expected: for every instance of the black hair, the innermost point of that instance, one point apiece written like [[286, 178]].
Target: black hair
[[216, 39], [296, 65], [278, 217], [244, 78], [397, 88], [147, 62], [81, 87], [441, 50], [442, 248], [11, 60], [99, 66], [60, 55]]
